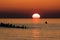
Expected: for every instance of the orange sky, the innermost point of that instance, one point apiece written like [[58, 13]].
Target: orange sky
[[30, 4]]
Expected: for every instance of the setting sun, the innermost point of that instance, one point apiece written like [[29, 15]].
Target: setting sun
[[35, 15]]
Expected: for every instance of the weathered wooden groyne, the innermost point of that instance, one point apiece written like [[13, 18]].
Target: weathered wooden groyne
[[12, 26]]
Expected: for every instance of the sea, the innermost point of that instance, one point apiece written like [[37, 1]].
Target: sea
[[37, 29]]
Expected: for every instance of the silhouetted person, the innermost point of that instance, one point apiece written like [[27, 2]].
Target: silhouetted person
[[45, 22]]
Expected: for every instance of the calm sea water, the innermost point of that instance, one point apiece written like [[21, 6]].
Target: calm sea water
[[38, 29]]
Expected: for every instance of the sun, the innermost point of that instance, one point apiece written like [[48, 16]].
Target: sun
[[35, 15]]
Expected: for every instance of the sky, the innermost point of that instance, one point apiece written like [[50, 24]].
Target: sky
[[26, 8]]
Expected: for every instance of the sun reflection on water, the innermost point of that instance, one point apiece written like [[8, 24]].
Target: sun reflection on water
[[35, 34], [36, 20]]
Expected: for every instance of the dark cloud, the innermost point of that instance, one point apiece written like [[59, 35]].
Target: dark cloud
[[28, 14]]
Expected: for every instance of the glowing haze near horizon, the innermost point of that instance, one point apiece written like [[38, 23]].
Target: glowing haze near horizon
[[21, 8]]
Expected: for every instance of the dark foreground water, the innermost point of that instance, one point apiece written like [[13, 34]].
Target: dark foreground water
[[29, 34]]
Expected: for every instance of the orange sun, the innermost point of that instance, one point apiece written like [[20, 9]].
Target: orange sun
[[35, 15]]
